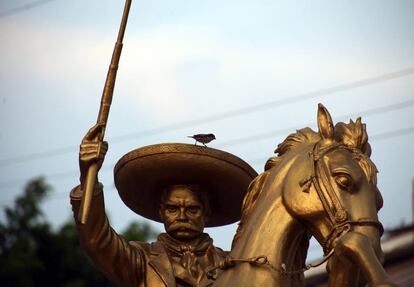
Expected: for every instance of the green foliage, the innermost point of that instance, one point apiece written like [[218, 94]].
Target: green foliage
[[33, 254], [139, 232]]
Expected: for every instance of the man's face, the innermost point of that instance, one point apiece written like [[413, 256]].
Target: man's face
[[183, 214]]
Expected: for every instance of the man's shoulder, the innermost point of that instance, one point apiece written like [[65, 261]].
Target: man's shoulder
[[144, 246], [220, 252], [148, 247]]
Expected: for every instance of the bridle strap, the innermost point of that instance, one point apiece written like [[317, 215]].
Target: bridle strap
[[329, 199], [327, 195], [332, 206], [344, 227]]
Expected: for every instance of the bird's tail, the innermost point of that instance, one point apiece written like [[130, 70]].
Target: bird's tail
[[190, 137]]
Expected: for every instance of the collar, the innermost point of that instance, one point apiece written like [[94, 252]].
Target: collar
[[198, 246]]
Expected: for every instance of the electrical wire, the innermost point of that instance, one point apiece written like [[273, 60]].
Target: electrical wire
[[274, 133], [109, 167], [220, 116], [22, 8], [262, 161], [375, 137]]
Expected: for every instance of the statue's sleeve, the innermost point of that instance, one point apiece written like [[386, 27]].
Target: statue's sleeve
[[118, 260]]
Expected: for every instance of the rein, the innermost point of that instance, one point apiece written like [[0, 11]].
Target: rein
[[261, 261], [332, 206]]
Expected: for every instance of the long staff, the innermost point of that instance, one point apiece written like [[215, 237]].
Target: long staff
[[106, 100]]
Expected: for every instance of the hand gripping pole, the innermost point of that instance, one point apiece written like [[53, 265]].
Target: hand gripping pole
[[106, 100]]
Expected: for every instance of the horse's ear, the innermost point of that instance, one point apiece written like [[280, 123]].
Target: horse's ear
[[325, 123]]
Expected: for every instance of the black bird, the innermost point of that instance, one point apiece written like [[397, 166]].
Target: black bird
[[203, 138]]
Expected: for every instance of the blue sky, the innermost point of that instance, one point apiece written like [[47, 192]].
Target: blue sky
[[186, 60]]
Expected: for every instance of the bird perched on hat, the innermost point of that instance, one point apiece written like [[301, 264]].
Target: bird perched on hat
[[203, 138]]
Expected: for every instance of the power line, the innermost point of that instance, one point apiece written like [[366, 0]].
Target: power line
[[270, 104], [22, 8], [376, 137], [392, 134], [256, 137], [59, 175], [220, 116], [37, 155], [108, 167], [266, 135]]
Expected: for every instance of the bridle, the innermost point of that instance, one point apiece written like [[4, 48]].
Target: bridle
[[337, 214]]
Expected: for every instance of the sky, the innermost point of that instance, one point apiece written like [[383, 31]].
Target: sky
[[251, 72]]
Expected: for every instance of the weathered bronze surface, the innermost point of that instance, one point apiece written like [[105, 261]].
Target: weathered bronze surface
[[321, 184], [92, 172], [186, 187], [141, 175]]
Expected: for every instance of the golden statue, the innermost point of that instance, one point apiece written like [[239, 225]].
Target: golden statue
[[186, 187], [321, 184]]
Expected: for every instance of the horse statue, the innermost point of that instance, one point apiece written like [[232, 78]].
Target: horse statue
[[320, 184]]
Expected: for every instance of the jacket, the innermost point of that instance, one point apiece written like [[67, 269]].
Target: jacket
[[128, 264]]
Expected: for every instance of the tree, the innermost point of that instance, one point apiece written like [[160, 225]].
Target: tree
[[32, 254]]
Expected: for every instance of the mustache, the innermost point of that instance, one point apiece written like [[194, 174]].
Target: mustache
[[182, 225]]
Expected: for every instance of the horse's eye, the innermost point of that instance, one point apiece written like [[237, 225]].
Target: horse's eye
[[344, 181]]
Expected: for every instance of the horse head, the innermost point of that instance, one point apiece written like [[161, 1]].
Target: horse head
[[334, 190], [321, 184]]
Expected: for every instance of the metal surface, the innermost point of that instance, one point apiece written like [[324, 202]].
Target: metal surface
[[141, 176], [106, 100], [321, 184]]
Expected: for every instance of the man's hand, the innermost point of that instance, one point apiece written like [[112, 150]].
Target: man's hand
[[91, 151]]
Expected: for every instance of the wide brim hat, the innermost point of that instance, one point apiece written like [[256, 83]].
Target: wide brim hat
[[142, 174]]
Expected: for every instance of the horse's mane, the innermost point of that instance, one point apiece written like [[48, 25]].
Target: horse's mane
[[306, 135], [353, 135], [290, 143]]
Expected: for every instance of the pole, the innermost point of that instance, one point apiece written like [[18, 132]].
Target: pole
[[106, 100]]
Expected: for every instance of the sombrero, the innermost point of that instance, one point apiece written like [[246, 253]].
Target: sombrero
[[142, 174]]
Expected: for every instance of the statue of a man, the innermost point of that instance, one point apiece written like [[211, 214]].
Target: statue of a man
[[184, 186]]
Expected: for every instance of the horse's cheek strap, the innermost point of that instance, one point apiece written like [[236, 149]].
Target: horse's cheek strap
[[327, 195], [339, 212]]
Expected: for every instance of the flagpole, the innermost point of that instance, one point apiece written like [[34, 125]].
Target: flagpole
[[92, 172]]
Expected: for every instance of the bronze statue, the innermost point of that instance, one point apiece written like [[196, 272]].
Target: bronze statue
[[106, 99], [323, 185], [184, 186]]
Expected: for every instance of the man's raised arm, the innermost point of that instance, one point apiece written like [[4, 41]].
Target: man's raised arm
[[120, 262]]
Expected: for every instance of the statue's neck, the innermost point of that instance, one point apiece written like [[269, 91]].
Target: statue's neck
[[275, 234]]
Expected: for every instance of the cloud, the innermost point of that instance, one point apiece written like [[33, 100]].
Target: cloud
[[172, 70]]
